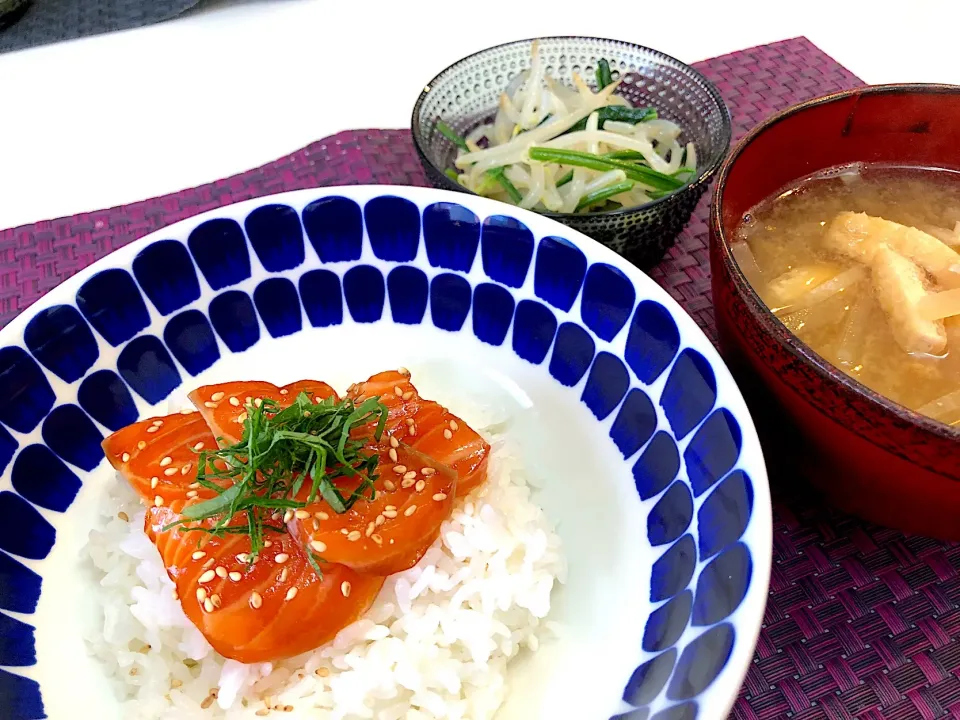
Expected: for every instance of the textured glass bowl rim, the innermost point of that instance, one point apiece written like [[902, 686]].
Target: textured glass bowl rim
[[770, 323], [698, 185]]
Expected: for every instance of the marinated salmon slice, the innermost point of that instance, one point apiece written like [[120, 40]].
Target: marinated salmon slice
[[273, 608], [428, 427], [390, 533], [159, 457], [224, 406]]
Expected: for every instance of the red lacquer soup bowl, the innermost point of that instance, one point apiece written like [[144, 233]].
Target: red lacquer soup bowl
[[869, 455]]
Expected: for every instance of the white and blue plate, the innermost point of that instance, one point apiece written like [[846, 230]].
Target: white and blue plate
[[648, 460]]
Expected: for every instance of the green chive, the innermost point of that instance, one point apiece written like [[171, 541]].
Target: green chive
[[500, 176], [565, 179], [619, 113], [602, 194], [638, 173], [450, 134], [452, 174], [604, 76]]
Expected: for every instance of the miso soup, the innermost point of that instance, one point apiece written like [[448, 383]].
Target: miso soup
[[862, 263]]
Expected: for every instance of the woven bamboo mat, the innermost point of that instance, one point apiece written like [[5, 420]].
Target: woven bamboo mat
[[861, 620]]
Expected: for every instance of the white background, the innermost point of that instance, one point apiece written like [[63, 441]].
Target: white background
[[119, 118]]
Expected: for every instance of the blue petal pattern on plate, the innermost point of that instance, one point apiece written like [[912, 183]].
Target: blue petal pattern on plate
[[321, 297], [166, 274], [199, 326], [220, 250], [25, 393], [71, 435], [408, 287], [112, 303], [276, 236], [235, 320], [335, 228], [61, 340], [560, 269], [393, 226]]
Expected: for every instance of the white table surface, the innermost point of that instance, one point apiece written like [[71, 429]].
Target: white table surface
[[122, 117]]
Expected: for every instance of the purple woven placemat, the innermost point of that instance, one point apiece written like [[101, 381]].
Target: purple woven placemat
[[860, 621]]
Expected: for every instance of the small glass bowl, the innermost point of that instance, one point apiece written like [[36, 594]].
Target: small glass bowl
[[467, 93]]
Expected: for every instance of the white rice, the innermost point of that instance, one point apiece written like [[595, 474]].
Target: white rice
[[436, 644]]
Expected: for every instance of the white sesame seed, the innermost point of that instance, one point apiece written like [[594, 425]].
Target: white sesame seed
[[389, 507], [215, 599], [408, 421], [268, 543], [412, 430], [427, 471], [345, 588], [201, 594], [192, 493], [158, 501], [217, 396], [209, 563], [392, 455], [198, 447], [194, 486], [221, 571], [389, 485], [321, 515], [187, 411], [233, 401], [316, 525], [407, 483], [243, 558], [284, 391], [282, 577], [235, 576], [288, 516], [281, 558], [390, 514], [125, 457], [248, 400], [275, 516], [421, 484], [158, 423], [306, 413], [186, 468], [377, 539], [209, 404], [142, 445], [291, 593], [343, 531], [407, 395], [208, 605], [399, 469], [439, 497], [319, 546], [354, 535], [301, 514], [410, 510], [154, 481], [370, 528], [398, 391], [447, 434], [165, 461], [255, 600], [153, 428], [410, 475], [394, 443], [170, 471], [258, 402], [403, 371], [207, 576], [242, 417], [199, 555], [380, 520]]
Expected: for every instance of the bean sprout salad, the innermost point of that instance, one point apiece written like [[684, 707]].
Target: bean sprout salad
[[571, 150]]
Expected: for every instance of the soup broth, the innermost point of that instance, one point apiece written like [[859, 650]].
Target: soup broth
[[862, 264]]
